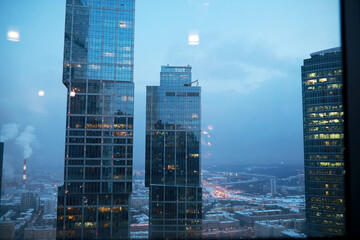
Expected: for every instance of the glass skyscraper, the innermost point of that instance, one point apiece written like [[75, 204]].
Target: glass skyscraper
[[98, 75], [173, 118], [324, 143]]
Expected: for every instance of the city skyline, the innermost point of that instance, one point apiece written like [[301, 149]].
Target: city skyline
[[255, 52], [261, 113]]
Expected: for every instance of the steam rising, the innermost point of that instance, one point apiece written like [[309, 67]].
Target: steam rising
[[25, 139], [9, 131]]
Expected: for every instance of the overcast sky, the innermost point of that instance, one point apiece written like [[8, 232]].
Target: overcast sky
[[248, 64]]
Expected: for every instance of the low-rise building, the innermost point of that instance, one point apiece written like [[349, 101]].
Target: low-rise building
[[275, 228], [40, 232]]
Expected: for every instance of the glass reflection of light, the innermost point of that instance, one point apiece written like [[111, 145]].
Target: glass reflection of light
[[122, 24], [41, 93], [194, 39], [13, 36], [109, 54]]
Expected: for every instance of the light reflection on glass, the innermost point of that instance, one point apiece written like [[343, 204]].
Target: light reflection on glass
[[13, 36], [194, 39], [41, 93]]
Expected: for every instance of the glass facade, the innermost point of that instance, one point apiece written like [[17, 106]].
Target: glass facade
[[324, 143], [98, 75], [173, 118]]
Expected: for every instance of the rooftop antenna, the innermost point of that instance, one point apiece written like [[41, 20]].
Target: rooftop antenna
[[189, 84]]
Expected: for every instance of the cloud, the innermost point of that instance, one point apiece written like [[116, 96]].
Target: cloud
[[26, 138], [9, 131], [244, 79], [237, 65], [9, 174]]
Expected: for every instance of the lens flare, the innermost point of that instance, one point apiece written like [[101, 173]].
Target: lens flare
[[13, 36], [41, 93], [194, 39]]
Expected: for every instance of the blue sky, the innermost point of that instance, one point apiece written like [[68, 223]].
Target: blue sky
[[248, 64]]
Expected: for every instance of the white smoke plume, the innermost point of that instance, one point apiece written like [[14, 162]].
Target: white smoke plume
[[9, 173], [9, 131], [25, 139]]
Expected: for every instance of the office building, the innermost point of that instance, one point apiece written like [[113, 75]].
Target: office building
[[30, 200], [324, 143], [173, 129], [98, 75]]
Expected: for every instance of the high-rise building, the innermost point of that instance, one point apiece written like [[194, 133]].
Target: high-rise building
[[173, 131], [30, 200], [324, 143], [98, 75]]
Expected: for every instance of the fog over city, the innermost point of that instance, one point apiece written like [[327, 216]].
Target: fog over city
[[246, 56]]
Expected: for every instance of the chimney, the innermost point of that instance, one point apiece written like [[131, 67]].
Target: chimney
[[24, 174]]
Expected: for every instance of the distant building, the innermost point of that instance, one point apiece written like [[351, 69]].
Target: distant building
[[273, 186], [173, 133], [221, 226], [292, 233], [50, 206], [275, 228], [248, 217], [7, 230], [40, 232], [323, 112], [49, 219], [30, 200], [139, 202]]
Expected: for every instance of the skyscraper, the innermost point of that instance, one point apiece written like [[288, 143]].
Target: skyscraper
[[324, 143], [98, 75], [173, 130]]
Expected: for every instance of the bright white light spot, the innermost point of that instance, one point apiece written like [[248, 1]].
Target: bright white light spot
[[206, 4], [109, 54], [204, 132], [122, 24], [93, 66], [194, 39], [210, 127], [72, 94], [209, 143], [13, 36], [41, 93]]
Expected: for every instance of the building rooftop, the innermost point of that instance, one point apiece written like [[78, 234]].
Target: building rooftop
[[330, 50], [293, 233], [169, 68]]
